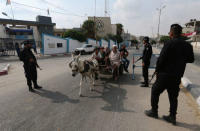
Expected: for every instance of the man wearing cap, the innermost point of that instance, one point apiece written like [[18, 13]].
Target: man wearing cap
[[115, 61], [146, 57], [170, 68], [30, 66]]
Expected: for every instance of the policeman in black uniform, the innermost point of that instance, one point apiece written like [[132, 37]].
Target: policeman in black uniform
[[170, 69], [30, 66], [146, 57]]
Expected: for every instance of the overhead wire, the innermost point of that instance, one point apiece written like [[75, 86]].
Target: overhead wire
[[61, 8], [46, 9]]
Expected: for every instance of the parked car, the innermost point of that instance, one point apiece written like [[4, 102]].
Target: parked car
[[85, 49]]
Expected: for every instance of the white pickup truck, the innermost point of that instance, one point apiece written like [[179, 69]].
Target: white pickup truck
[[85, 49]]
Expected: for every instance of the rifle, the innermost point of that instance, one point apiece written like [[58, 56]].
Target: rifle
[[138, 59], [154, 74]]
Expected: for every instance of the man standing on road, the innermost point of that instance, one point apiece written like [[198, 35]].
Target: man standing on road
[[146, 57], [170, 69], [30, 66], [124, 55]]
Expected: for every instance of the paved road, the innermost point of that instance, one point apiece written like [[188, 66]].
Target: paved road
[[197, 56], [114, 106]]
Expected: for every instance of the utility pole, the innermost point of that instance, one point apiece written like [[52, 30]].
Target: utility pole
[[95, 32], [160, 13], [106, 8]]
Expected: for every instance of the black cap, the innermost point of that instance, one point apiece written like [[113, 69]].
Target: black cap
[[146, 39]]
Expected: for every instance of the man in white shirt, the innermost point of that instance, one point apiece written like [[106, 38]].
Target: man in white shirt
[[115, 62]]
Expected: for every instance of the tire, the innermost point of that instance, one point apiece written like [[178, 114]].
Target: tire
[[83, 52]]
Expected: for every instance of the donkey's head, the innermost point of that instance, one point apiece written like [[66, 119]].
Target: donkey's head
[[74, 65]]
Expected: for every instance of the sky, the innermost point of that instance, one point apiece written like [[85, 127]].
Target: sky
[[139, 17]]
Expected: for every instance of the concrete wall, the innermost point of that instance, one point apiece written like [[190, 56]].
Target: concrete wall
[[114, 29], [73, 44], [112, 43], [50, 44], [104, 25], [53, 45], [93, 42], [3, 32], [104, 43]]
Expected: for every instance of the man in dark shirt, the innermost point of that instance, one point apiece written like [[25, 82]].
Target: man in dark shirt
[[171, 65], [124, 54], [30, 66], [146, 57]]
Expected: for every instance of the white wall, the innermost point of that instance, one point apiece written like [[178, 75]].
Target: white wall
[[73, 44], [50, 44], [3, 32], [93, 42], [111, 44], [104, 43]]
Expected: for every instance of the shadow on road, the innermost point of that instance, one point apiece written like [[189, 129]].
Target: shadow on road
[[114, 96], [56, 97], [191, 127]]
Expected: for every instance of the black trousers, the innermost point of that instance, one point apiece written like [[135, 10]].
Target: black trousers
[[145, 72], [171, 84], [31, 75]]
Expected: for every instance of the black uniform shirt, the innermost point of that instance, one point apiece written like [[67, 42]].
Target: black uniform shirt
[[26, 55], [147, 53], [173, 58]]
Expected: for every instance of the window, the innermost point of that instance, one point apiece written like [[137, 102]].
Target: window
[[88, 46], [59, 45]]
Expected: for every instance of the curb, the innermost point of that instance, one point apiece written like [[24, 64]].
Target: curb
[[191, 88], [5, 70]]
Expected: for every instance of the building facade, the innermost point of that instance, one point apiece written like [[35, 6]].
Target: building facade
[[17, 31], [192, 29], [103, 24]]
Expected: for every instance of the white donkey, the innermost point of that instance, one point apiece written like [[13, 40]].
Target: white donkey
[[87, 68]]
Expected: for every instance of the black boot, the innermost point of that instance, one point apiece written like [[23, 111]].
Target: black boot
[[170, 119], [37, 87], [31, 89], [145, 85], [151, 113]]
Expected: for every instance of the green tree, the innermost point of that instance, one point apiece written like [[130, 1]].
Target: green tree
[[119, 33], [77, 35], [89, 28], [134, 41], [164, 39], [110, 37], [153, 42]]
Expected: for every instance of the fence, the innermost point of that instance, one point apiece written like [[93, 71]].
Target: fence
[[7, 47], [138, 63]]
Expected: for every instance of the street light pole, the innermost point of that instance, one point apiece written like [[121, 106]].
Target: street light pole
[[5, 14], [160, 13]]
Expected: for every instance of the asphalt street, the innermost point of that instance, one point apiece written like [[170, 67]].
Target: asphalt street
[[197, 56], [113, 106]]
